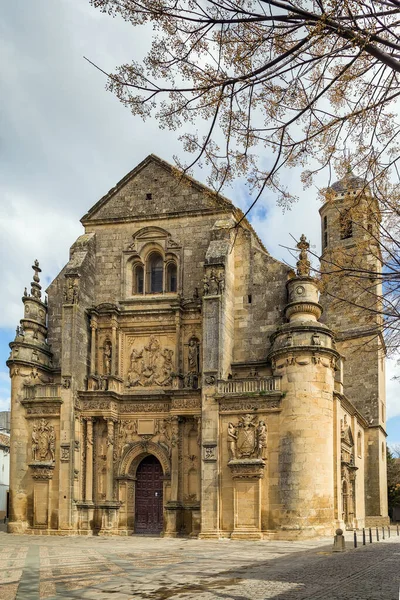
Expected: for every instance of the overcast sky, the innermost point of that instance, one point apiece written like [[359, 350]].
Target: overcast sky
[[65, 142]]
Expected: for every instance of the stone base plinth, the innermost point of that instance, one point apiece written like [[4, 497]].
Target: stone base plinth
[[377, 521], [209, 535], [248, 534], [305, 533], [247, 474], [172, 519], [17, 526]]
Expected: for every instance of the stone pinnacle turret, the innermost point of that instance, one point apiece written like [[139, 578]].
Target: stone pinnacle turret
[[30, 346]]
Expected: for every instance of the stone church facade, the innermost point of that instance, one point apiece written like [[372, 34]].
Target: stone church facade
[[179, 380]]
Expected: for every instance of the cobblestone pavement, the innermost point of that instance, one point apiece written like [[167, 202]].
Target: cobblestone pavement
[[148, 568]]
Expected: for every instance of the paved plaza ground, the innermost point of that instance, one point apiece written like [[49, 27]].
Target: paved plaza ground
[[150, 568]]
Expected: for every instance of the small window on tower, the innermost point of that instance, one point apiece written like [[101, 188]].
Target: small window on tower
[[346, 225], [148, 196]]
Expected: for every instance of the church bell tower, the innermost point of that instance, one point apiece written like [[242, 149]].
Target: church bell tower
[[351, 296]]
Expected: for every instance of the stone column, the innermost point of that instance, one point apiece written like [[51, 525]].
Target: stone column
[[110, 458], [114, 347], [212, 317], [89, 460], [172, 508], [93, 327], [179, 367]]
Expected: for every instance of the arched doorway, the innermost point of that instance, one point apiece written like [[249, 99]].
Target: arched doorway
[[149, 496]]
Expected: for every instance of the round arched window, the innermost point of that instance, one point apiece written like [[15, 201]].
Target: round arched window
[[155, 272], [172, 284], [138, 279]]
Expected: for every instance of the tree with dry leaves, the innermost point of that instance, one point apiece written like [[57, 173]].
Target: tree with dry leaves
[[272, 84], [296, 81]]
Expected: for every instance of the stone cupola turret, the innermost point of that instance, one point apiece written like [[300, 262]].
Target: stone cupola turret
[[302, 312]]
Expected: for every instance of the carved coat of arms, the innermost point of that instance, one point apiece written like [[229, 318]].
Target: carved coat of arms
[[246, 436]]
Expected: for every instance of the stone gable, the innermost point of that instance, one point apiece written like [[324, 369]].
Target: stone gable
[[155, 189]]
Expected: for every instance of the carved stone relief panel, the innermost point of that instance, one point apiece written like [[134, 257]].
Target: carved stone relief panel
[[159, 431], [213, 282], [247, 438], [148, 361], [43, 441]]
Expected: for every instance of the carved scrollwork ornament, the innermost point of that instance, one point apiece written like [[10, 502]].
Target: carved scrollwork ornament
[[43, 441]]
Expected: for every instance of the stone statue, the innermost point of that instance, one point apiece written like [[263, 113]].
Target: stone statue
[[232, 441], [107, 354], [214, 284], [303, 264], [261, 440], [193, 355], [206, 286]]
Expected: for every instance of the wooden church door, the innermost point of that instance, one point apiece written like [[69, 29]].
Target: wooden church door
[[149, 496]]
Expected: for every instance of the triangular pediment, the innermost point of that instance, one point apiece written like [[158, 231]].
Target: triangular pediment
[[347, 437], [155, 189]]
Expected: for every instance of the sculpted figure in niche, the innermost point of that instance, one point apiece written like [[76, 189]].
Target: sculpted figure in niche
[[206, 286], [71, 295], [107, 352], [214, 284], [193, 356], [232, 440], [193, 363]]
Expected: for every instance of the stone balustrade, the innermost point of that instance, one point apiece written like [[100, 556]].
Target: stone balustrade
[[37, 392], [249, 385]]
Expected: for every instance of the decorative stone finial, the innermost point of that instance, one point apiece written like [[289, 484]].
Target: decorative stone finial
[[35, 286], [303, 264]]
